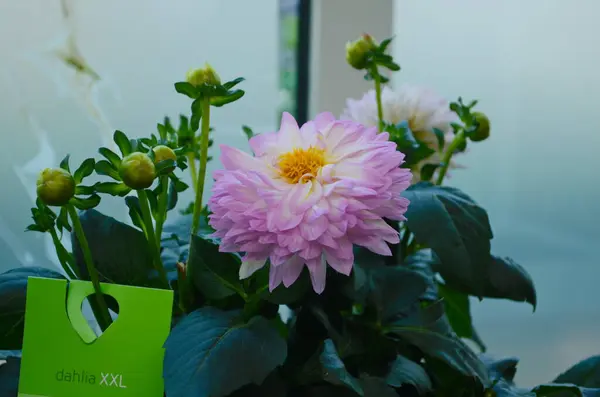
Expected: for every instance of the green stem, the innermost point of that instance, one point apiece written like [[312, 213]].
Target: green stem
[[204, 133], [459, 138], [377, 78], [162, 207], [67, 265], [154, 247], [192, 163], [105, 320]]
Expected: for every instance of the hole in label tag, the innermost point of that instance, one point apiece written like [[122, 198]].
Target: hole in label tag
[[83, 311], [90, 306]]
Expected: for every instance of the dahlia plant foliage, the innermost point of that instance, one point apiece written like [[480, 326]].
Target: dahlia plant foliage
[[329, 259]]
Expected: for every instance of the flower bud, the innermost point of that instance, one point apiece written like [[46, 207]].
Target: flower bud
[[55, 186], [357, 51], [483, 127], [137, 171], [206, 75], [161, 153]]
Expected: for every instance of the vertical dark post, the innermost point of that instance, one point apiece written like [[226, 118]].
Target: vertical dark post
[[303, 60]]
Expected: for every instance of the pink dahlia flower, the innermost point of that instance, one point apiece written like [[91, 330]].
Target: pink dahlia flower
[[307, 196]]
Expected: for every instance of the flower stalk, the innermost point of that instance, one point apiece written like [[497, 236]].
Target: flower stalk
[[152, 242], [162, 207], [104, 316], [377, 80], [193, 172], [204, 134], [458, 140]]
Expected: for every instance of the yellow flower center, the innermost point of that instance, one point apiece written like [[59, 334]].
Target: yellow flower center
[[299, 162]]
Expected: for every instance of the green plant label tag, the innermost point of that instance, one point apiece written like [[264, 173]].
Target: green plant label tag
[[62, 357]]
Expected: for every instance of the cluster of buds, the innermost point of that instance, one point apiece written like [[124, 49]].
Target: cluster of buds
[[138, 170]]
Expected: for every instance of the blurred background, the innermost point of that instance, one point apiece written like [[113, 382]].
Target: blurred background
[[71, 72]]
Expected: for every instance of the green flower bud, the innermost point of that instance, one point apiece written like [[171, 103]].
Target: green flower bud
[[357, 51], [206, 75], [483, 128], [55, 186], [161, 153], [137, 171]]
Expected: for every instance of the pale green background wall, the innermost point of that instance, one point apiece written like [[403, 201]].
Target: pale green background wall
[[534, 66], [139, 48]]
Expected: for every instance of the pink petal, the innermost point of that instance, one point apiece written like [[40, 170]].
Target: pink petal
[[318, 272], [249, 266], [340, 265], [233, 159], [293, 269]]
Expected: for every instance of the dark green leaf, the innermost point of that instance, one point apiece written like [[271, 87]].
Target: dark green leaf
[[84, 190], [165, 166], [120, 251], [180, 228], [334, 370], [564, 390], [430, 332], [64, 164], [424, 261], [135, 212], [405, 371], [248, 131], [87, 202], [196, 115], [122, 142], [10, 366], [212, 90], [210, 353], [62, 222], [153, 201], [586, 373], [505, 368], [172, 195], [214, 273], [458, 231], [441, 138], [179, 185], [376, 387], [393, 66], [13, 289], [187, 89], [427, 171], [231, 96], [230, 84], [384, 44], [103, 167], [85, 169], [162, 131], [414, 150], [458, 310], [35, 228], [113, 188], [506, 279], [389, 288]]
